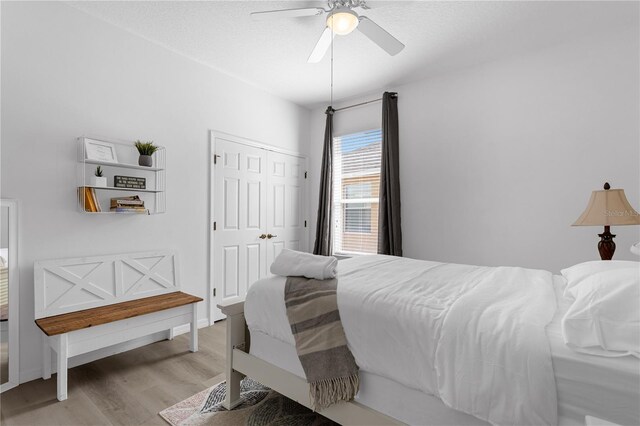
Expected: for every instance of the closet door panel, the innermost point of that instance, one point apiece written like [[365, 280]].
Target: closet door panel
[[285, 221], [240, 212]]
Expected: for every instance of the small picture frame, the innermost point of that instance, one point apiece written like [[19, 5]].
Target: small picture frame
[[100, 151]]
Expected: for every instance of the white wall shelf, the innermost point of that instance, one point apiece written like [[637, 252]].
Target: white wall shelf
[[123, 165], [153, 195], [113, 188], [122, 213]]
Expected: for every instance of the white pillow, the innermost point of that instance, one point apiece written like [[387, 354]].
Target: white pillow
[[575, 274], [604, 319]]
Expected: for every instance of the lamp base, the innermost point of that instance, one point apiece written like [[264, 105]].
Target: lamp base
[[606, 246]]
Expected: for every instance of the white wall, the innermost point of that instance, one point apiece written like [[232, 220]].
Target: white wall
[[498, 160], [65, 74]]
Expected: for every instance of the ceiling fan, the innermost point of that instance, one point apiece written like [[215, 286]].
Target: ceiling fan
[[342, 19]]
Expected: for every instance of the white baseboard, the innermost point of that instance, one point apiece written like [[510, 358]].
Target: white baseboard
[[202, 322]]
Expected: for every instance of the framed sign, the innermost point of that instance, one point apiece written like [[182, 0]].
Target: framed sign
[[100, 151], [129, 182]]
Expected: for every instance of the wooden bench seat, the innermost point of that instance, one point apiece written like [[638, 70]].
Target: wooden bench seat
[[86, 318], [84, 305]]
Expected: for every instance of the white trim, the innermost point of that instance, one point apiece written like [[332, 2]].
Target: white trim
[[14, 295], [250, 142], [307, 205], [375, 129], [212, 173], [213, 135], [185, 328]]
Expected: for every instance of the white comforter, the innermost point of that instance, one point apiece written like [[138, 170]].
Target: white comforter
[[474, 336]]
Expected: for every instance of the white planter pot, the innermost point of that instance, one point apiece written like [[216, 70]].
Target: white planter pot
[[98, 181]]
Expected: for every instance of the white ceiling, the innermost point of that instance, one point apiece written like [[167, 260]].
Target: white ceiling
[[439, 36]]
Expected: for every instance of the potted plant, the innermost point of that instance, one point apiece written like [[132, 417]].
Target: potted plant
[[146, 150], [98, 180]]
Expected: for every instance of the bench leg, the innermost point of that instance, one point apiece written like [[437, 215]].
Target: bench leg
[[62, 367], [235, 338], [193, 344], [46, 357]]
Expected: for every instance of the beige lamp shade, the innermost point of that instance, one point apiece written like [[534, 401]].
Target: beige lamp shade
[[608, 207]]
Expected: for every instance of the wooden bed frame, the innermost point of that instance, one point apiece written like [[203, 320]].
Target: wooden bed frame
[[241, 363]]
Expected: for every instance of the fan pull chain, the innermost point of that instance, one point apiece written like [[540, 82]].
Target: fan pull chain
[[332, 38]]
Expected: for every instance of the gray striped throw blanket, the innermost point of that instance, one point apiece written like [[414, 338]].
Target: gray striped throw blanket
[[312, 310]]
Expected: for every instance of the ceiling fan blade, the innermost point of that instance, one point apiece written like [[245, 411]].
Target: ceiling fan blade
[[379, 36], [288, 13], [321, 46]]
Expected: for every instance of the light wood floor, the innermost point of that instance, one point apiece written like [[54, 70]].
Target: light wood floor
[[125, 389]]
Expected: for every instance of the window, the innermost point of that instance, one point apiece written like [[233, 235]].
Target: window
[[358, 190], [357, 218], [356, 182]]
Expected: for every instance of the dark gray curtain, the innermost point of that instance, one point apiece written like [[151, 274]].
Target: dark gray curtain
[[324, 238], [389, 229]]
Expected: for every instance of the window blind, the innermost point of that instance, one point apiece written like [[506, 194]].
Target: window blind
[[356, 183]]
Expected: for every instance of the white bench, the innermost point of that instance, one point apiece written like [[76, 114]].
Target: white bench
[[89, 303]]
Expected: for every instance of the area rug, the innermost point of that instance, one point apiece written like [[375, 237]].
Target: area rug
[[260, 406]]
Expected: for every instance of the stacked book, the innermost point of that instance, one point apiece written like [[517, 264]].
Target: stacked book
[[132, 204]]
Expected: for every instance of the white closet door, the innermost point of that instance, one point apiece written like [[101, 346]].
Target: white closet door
[[240, 213], [285, 204]]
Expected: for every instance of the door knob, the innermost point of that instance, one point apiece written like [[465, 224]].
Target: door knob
[[270, 236], [263, 236]]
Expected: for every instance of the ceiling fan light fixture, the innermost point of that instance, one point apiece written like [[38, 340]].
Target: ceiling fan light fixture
[[342, 21]]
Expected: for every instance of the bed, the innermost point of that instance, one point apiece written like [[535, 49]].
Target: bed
[[607, 388]]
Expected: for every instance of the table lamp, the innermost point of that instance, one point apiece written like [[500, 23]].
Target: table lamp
[[606, 208]]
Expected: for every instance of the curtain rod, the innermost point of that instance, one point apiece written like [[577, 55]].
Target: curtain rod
[[362, 103]]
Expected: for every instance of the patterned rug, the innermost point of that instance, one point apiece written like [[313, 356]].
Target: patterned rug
[[261, 406]]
